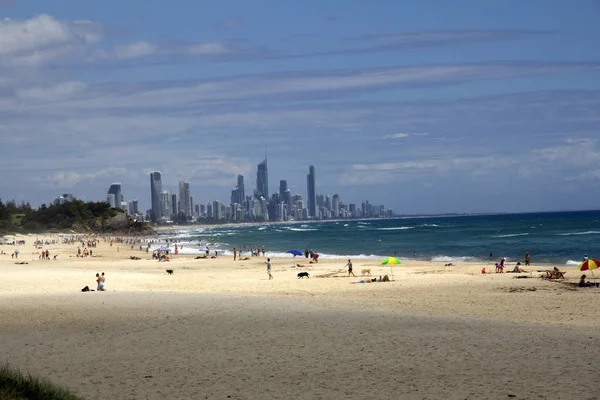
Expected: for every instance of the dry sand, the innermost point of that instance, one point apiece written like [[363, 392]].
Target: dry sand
[[220, 329]]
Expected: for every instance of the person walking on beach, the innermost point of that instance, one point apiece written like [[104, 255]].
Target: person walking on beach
[[527, 259], [349, 265], [234, 254], [269, 268]]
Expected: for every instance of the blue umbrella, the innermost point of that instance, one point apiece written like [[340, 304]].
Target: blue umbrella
[[295, 252]]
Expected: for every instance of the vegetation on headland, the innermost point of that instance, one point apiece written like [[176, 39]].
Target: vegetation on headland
[[15, 385], [77, 216]]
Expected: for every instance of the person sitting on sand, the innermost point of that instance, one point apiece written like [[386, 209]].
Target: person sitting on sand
[[555, 274], [518, 269], [583, 283]]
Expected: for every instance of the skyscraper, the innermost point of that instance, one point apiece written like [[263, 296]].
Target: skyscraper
[[282, 188], [312, 196], [238, 195], [184, 199], [174, 204], [262, 180], [335, 206], [115, 190], [155, 196], [166, 203]]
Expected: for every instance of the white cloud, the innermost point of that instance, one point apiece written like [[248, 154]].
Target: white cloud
[[43, 38], [57, 92], [134, 50], [403, 135]]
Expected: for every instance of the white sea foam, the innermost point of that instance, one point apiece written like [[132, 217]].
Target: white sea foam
[[442, 258], [580, 233], [511, 235], [262, 228], [302, 229], [572, 262], [397, 228]]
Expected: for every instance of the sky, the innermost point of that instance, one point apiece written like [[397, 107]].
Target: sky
[[424, 106]]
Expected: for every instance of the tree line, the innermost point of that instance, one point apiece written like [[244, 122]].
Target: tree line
[[75, 215]]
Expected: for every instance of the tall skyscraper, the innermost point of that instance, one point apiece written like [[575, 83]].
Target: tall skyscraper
[[282, 188], [156, 211], [174, 204], [335, 211], [238, 195], [312, 196], [166, 203], [184, 199], [262, 180], [115, 190], [133, 207]]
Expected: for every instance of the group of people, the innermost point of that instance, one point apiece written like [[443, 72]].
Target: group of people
[[100, 279]]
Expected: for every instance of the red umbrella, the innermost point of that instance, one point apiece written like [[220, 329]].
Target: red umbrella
[[589, 265]]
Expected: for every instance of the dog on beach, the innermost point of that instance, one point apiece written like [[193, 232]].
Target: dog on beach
[[169, 271], [303, 274], [366, 271]]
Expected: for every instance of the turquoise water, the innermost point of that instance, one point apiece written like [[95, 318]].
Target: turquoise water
[[560, 237]]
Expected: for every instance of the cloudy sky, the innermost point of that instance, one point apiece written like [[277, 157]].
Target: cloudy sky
[[424, 106]]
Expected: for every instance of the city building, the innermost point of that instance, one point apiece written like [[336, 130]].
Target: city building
[[262, 180], [133, 207], [157, 207], [174, 204], [238, 195], [64, 198], [117, 196], [184, 199], [312, 195]]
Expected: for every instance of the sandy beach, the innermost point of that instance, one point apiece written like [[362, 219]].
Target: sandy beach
[[218, 328]]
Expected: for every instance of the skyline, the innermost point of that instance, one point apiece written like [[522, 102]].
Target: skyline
[[282, 205], [426, 107]]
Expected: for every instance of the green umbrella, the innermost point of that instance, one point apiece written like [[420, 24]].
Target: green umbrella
[[390, 261]]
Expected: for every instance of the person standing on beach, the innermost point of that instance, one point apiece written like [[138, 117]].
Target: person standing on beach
[[269, 268], [234, 254], [349, 265], [527, 258]]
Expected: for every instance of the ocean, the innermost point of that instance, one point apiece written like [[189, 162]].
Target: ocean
[[550, 238]]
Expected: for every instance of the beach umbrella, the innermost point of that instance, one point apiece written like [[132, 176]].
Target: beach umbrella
[[589, 265], [295, 252], [390, 261]]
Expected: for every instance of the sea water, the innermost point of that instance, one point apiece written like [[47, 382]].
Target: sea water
[[550, 238]]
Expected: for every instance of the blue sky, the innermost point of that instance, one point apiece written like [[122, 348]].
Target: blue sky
[[424, 106]]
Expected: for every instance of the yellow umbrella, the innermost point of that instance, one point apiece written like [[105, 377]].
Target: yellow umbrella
[[390, 261], [589, 265]]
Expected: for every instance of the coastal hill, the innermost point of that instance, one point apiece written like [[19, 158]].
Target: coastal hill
[[77, 216]]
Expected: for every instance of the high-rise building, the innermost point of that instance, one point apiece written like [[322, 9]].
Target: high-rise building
[[262, 180], [133, 207], [156, 210], [282, 188], [174, 204], [335, 206], [115, 190], [312, 196], [110, 199], [166, 203], [238, 195], [184, 199]]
